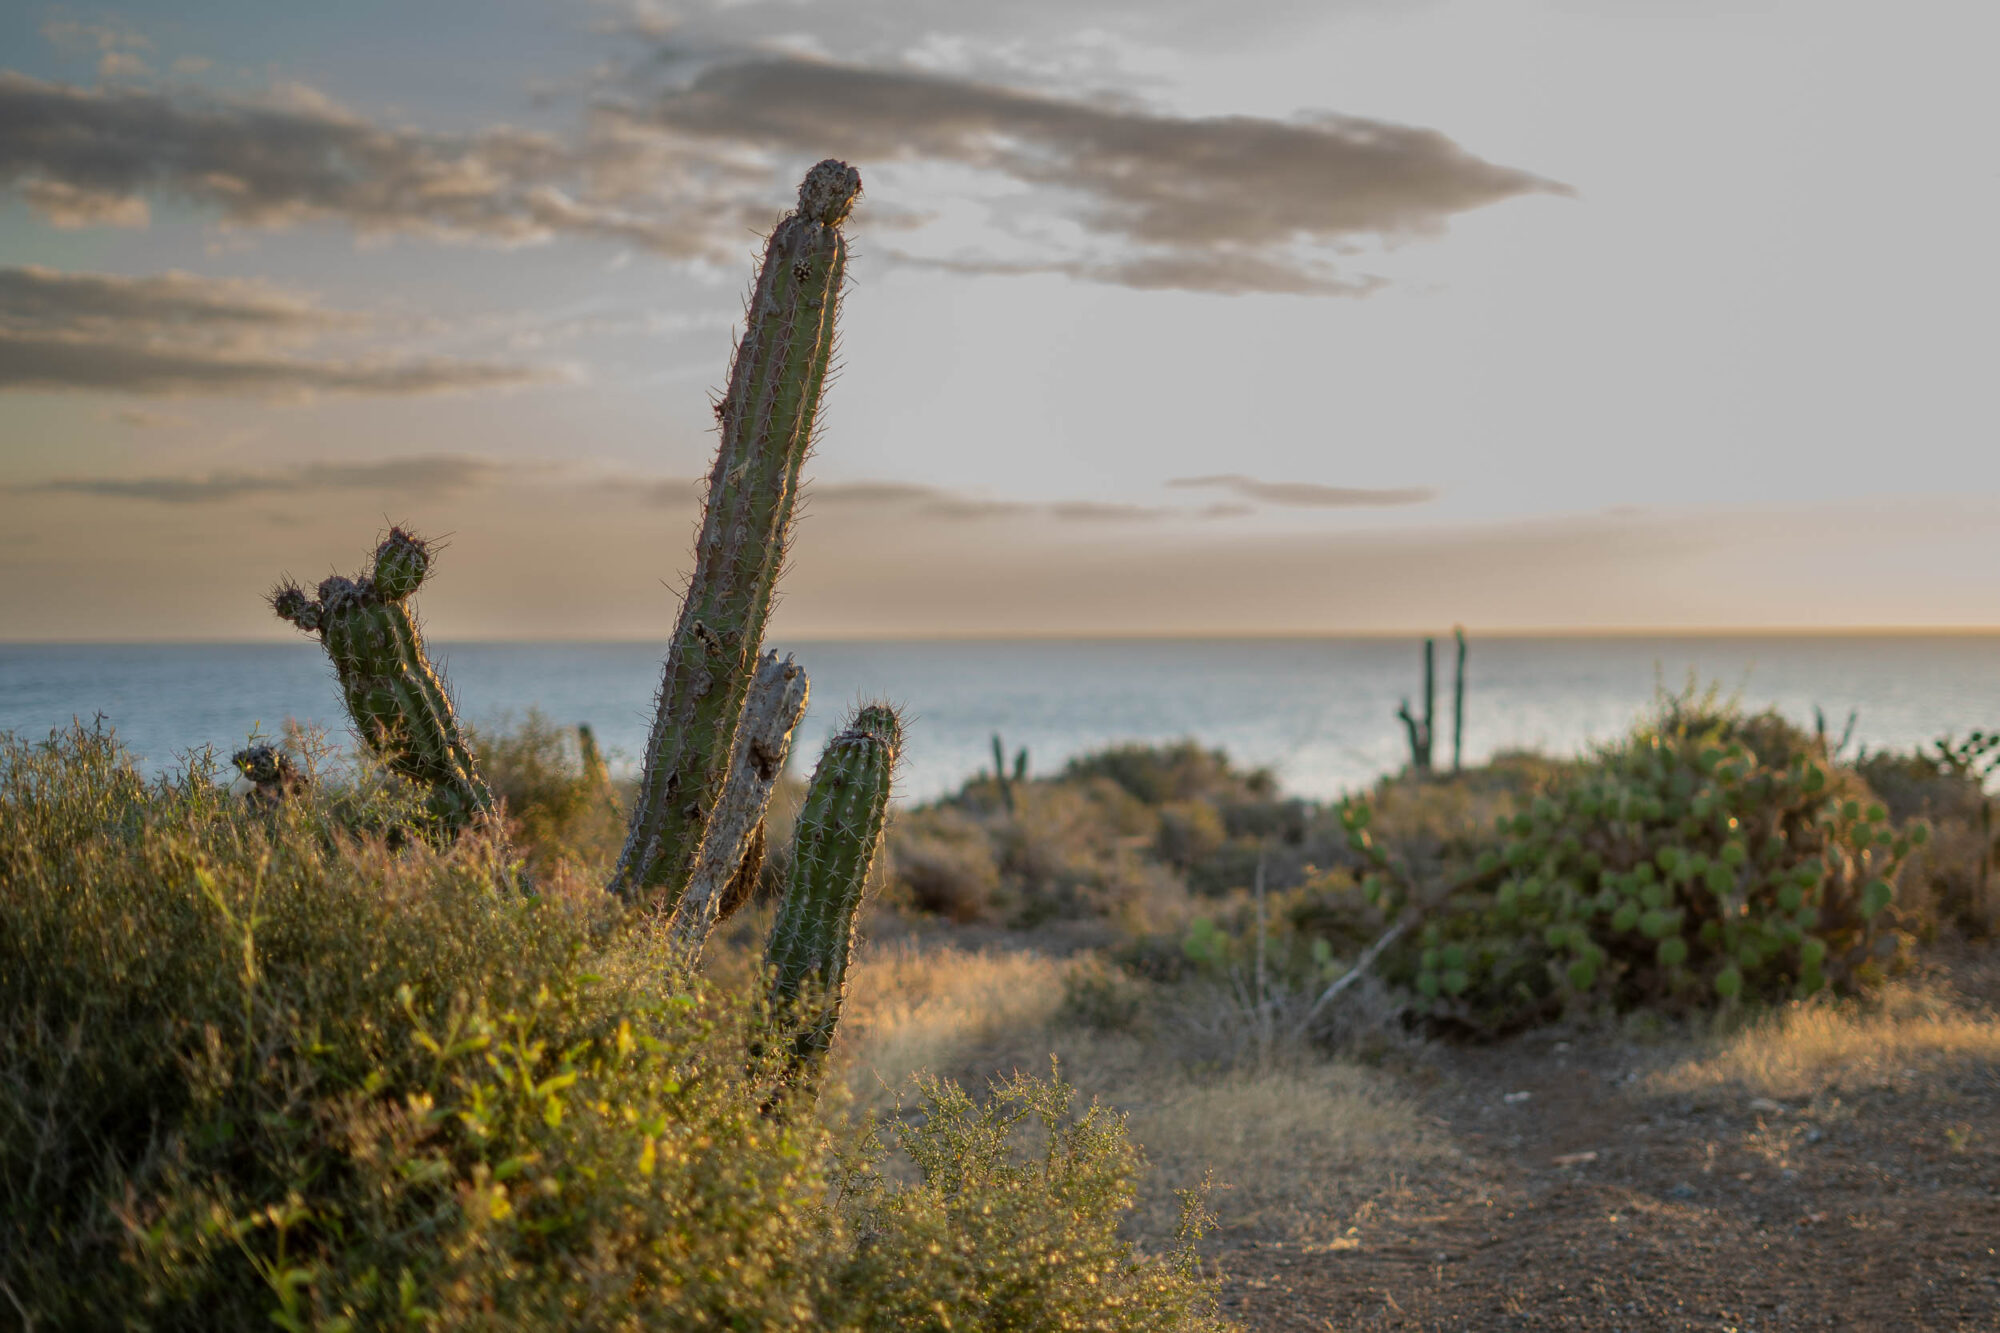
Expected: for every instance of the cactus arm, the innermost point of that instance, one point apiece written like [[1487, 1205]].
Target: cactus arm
[[767, 417], [838, 834], [394, 696], [776, 702]]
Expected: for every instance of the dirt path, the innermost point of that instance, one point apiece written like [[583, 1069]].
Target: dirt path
[[1582, 1200]]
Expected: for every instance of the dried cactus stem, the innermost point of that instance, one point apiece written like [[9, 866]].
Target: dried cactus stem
[[767, 418], [733, 851], [834, 847], [394, 696]]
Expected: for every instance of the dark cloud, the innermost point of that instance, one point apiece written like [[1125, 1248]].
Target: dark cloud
[[141, 419], [1092, 511], [935, 502], [929, 501], [431, 474], [175, 333], [1309, 495], [94, 154], [1227, 203], [1219, 204], [35, 362], [44, 300]]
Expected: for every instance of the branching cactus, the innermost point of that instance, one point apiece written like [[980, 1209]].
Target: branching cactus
[[733, 852], [767, 418], [834, 846], [395, 698]]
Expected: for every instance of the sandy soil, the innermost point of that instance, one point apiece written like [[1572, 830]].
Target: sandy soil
[[1585, 1195]]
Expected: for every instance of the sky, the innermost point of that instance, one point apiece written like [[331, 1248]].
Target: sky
[[1348, 317]]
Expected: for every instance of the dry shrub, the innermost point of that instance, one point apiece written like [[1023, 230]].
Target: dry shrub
[[1295, 1147], [556, 812], [1821, 1045], [911, 1010], [941, 862], [1293, 1144]]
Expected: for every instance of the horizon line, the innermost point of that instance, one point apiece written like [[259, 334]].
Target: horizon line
[[1141, 636]]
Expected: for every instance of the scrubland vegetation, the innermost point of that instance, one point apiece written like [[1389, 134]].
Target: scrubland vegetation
[[279, 1063]]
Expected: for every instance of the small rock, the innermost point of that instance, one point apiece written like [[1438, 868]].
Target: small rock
[[1576, 1158], [1682, 1191], [1766, 1105]]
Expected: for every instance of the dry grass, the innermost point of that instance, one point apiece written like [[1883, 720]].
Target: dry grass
[[1293, 1146], [1804, 1049], [911, 1010]]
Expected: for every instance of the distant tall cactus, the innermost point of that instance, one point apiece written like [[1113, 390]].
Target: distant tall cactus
[[1420, 733], [767, 415], [833, 849], [596, 773], [1458, 704], [396, 700]]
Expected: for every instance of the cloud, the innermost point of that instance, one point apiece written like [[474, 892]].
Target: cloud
[[69, 207], [294, 156], [1118, 193], [74, 37], [1308, 495], [929, 501], [46, 300], [175, 333], [141, 419], [914, 499], [1221, 203], [427, 474], [31, 362]]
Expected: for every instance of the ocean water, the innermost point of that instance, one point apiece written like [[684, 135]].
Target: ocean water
[[1320, 712]]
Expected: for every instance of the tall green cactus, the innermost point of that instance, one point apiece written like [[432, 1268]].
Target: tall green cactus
[[396, 700], [834, 844], [767, 417]]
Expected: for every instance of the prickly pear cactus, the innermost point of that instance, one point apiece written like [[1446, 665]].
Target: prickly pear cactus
[[767, 417], [838, 834], [1681, 868], [393, 695]]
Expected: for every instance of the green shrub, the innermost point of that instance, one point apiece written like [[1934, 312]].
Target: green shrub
[[1710, 857], [556, 811], [1181, 771], [257, 1071]]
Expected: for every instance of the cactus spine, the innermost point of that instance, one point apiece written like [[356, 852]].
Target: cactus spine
[[833, 849], [732, 853], [394, 696], [767, 417]]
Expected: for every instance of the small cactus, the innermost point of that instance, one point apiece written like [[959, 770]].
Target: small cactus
[[834, 845], [394, 696], [767, 418], [270, 771]]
